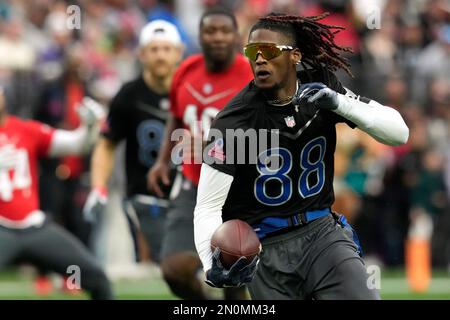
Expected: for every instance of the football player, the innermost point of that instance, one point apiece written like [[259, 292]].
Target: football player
[[26, 233], [286, 192], [137, 115]]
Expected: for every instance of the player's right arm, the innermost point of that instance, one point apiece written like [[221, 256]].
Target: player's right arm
[[102, 163], [213, 189], [216, 178], [102, 160]]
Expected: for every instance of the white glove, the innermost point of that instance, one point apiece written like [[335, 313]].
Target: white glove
[[95, 203], [90, 111]]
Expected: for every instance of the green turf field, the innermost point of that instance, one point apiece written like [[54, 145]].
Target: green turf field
[[393, 286]]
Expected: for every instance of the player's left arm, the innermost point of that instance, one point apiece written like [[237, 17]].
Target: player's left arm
[[78, 141], [383, 123]]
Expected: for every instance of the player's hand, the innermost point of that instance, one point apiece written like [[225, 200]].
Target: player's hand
[[95, 204], [240, 272], [316, 94], [159, 172], [90, 112]]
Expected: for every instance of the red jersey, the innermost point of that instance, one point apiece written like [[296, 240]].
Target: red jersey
[[22, 143], [198, 95]]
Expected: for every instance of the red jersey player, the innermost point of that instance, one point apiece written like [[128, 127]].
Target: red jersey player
[[202, 86], [25, 231]]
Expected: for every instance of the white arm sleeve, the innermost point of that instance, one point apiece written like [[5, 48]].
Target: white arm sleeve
[[66, 142], [213, 190], [383, 123]]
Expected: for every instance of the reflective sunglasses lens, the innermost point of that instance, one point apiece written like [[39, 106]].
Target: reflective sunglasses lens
[[270, 52], [250, 52], [267, 51]]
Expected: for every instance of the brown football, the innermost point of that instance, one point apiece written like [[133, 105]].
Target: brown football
[[236, 239]]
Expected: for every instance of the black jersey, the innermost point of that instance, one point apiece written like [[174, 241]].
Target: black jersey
[[303, 178], [137, 114]]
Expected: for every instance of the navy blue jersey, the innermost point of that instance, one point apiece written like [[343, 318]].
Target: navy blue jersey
[[303, 177]]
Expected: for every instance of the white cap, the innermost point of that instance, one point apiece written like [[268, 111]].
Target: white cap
[[159, 30]]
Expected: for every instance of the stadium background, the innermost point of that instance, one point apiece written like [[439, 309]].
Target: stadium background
[[402, 59]]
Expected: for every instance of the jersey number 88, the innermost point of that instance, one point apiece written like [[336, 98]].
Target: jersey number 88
[[280, 174]]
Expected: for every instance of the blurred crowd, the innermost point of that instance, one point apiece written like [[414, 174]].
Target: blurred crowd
[[401, 58]]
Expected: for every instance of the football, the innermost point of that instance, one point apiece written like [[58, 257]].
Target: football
[[236, 239]]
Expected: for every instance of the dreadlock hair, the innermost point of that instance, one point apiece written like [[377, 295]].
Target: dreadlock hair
[[314, 39]]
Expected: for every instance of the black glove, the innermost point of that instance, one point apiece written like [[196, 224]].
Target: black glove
[[239, 273], [316, 94]]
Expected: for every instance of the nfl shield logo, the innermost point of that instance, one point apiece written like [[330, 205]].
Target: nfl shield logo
[[290, 121]]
